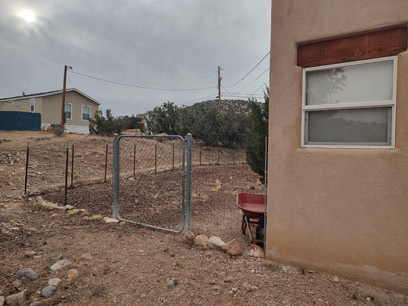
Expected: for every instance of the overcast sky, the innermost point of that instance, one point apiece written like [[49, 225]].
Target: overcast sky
[[174, 44]]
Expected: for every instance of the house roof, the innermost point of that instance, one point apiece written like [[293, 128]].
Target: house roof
[[48, 93]]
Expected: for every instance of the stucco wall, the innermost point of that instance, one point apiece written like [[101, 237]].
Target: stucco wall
[[52, 108], [344, 211]]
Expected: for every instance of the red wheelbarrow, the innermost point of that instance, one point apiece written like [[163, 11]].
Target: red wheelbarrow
[[253, 209]]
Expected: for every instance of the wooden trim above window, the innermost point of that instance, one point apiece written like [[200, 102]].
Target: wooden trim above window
[[353, 48]]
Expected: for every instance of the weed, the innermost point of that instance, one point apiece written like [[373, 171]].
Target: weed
[[355, 296]]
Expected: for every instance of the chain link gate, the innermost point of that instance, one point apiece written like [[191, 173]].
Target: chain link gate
[[152, 181]]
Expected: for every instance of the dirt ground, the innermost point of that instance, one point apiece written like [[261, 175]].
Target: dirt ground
[[132, 265]]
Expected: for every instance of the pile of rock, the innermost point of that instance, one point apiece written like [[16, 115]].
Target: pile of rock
[[40, 204], [29, 275], [233, 247]]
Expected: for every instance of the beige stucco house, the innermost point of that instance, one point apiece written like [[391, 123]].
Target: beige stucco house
[[79, 107], [338, 138]]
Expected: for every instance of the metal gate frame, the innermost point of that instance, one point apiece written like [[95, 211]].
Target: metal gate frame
[[186, 181]]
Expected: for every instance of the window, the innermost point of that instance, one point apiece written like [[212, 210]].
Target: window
[[68, 111], [350, 104], [86, 111], [11, 102], [32, 105]]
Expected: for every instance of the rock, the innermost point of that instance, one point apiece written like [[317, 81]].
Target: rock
[[35, 303], [60, 264], [74, 211], [86, 256], [171, 282], [54, 282], [335, 279], [215, 242], [30, 254], [85, 218], [233, 247], [16, 299], [84, 213], [190, 236], [201, 241], [72, 275], [143, 295], [255, 251], [68, 207], [285, 268], [110, 220], [2, 300], [95, 218], [18, 285], [48, 291], [27, 273]]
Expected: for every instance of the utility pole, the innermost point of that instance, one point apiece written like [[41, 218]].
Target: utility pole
[[63, 98], [219, 89]]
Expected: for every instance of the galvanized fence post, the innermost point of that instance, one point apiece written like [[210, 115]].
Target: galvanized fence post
[[115, 187], [189, 180]]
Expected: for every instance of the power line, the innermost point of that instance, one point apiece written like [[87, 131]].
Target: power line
[[198, 99], [264, 84], [140, 86], [249, 71], [256, 78]]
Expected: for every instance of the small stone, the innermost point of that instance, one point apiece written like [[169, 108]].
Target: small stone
[[190, 236], [201, 241], [233, 247], [171, 282], [86, 256], [85, 218], [16, 299], [335, 279], [96, 218], [18, 285], [111, 220], [73, 212], [68, 207], [84, 213], [60, 264], [54, 282], [2, 300], [229, 279], [285, 268], [72, 275], [27, 273], [215, 242], [255, 251], [35, 303], [48, 291], [30, 254], [143, 295]]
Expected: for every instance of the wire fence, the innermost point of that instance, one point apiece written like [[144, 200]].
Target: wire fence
[[63, 165]]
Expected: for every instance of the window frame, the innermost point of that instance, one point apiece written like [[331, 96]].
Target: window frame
[[82, 112], [70, 112], [353, 105]]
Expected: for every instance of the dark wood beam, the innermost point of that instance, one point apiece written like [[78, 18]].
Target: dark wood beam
[[353, 48]]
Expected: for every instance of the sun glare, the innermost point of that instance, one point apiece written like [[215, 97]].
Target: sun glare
[[27, 15]]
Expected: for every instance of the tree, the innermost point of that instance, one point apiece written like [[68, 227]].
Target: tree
[[163, 119], [109, 125], [257, 131]]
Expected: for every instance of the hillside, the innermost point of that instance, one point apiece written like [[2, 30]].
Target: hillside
[[236, 106]]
